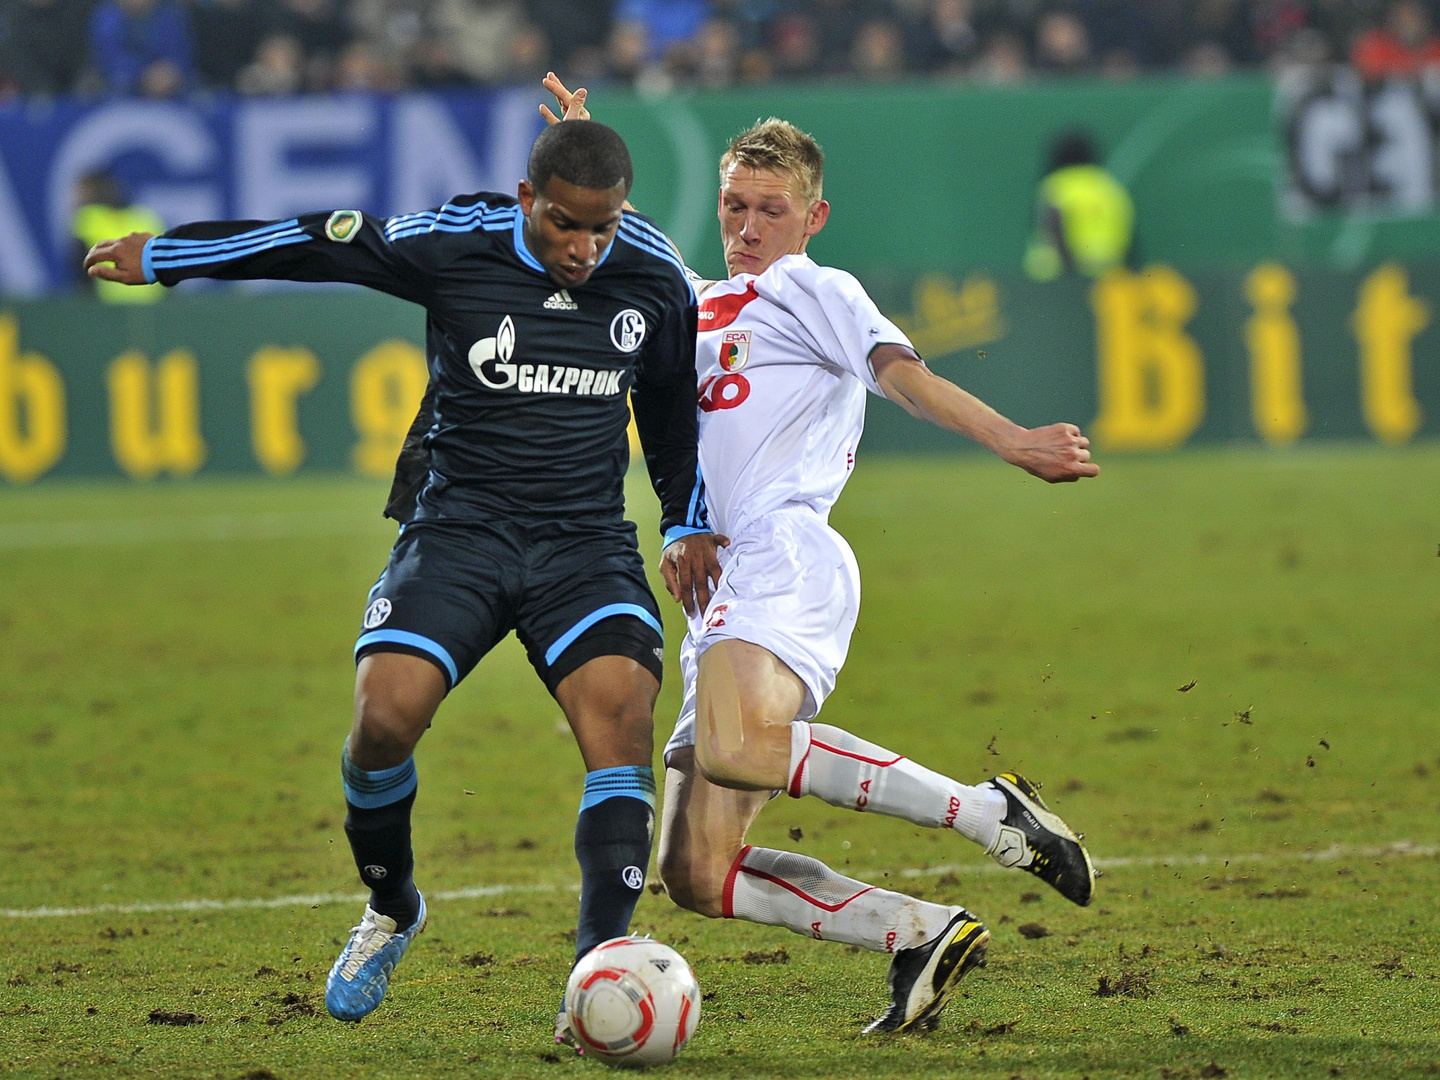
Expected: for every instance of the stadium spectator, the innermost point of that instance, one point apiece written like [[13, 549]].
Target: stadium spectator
[[717, 54], [576, 32], [479, 33], [877, 53], [660, 44], [1085, 219], [1004, 61], [1207, 60], [627, 50], [361, 67], [1273, 22], [945, 40], [40, 52], [1062, 45], [667, 23], [227, 33], [395, 29], [795, 45], [142, 46], [322, 32], [529, 54], [278, 68], [1405, 45]]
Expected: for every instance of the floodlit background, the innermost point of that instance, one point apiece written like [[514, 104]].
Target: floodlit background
[[1204, 230]]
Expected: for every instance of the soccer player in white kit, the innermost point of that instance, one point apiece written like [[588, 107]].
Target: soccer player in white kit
[[787, 350]]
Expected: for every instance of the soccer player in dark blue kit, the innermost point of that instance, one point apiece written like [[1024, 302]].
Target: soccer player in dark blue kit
[[543, 312]]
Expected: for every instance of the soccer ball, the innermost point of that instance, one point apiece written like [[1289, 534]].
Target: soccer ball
[[632, 1001]]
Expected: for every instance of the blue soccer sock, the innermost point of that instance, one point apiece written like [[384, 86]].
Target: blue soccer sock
[[377, 824], [612, 844]]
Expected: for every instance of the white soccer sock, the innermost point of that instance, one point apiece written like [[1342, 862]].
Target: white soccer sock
[[834, 765], [781, 888]]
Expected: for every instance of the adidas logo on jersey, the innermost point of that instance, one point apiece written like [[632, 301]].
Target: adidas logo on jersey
[[561, 301]]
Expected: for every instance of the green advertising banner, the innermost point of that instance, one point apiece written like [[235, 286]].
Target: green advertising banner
[[942, 177], [331, 378]]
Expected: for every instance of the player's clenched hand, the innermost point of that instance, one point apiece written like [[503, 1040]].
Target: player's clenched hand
[[572, 106], [690, 567], [1057, 453], [119, 260]]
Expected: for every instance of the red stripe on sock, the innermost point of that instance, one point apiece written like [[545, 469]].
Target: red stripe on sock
[[727, 895], [794, 789], [832, 908], [858, 757]]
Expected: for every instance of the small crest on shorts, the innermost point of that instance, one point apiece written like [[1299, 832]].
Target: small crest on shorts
[[734, 349], [343, 225], [716, 617], [377, 613], [633, 877]]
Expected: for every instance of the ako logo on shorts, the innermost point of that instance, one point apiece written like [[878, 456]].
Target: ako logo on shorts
[[344, 225], [377, 613], [734, 350]]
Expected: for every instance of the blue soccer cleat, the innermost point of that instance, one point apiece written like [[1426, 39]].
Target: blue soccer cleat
[[356, 984]]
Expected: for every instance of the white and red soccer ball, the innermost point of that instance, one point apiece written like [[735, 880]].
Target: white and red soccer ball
[[632, 1001]]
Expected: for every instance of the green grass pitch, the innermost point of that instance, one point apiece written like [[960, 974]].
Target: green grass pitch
[[175, 685]]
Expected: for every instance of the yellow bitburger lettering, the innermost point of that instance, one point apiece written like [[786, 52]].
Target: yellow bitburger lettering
[[32, 409]]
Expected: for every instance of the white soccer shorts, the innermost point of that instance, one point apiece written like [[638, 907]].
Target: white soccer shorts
[[790, 584]]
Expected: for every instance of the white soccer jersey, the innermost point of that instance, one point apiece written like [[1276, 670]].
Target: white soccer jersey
[[784, 362]]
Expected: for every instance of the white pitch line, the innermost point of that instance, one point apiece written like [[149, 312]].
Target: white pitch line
[[314, 900], [1335, 851], [1397, 848], [214, 527]]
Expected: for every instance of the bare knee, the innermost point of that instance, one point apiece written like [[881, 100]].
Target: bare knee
[[695, 883], [396, 696]]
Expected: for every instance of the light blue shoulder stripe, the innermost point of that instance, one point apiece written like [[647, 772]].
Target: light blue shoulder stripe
[[645, 244]]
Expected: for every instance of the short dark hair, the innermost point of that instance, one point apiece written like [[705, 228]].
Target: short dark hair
[[583, 153]]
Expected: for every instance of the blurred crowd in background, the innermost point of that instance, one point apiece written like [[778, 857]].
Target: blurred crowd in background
[[160, 48]]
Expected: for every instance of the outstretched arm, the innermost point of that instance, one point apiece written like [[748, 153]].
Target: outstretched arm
[[341, 246], [1057, 453]]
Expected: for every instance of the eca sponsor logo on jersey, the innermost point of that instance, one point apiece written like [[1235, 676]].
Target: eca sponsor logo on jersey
[[734, 349], [490, 359]]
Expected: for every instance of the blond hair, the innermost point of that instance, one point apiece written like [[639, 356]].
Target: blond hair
[[776, 145]]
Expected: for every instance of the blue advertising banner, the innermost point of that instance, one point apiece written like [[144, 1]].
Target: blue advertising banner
[[225, 157]]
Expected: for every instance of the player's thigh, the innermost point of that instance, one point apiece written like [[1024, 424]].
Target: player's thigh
[[702, 831], [585, 597], [609, 701], [743, 691], [446, 597]]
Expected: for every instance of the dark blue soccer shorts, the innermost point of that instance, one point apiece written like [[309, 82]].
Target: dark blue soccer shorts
[[571, 592]]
